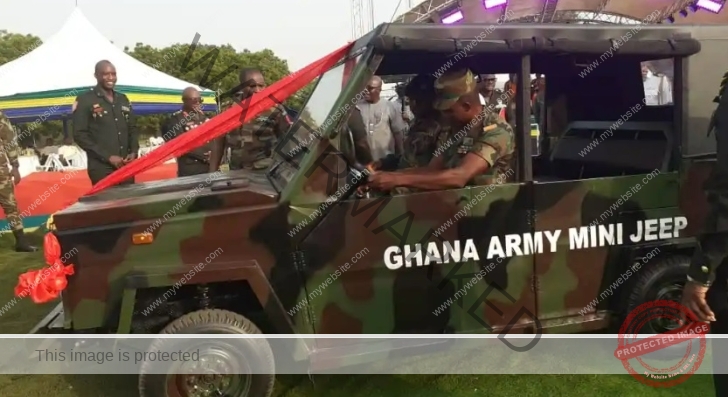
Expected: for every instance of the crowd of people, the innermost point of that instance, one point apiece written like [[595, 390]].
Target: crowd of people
[[439, 133]]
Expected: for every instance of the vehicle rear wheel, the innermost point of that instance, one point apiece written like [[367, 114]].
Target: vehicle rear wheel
[[227, 366], [661, 279]]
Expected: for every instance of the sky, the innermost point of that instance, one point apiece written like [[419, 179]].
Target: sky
[[297, 31]]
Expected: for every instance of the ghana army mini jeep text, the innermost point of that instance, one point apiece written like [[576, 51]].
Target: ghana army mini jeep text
[[297, 252]]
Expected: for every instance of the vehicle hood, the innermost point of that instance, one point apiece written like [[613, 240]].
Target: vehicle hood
[[167, 198]]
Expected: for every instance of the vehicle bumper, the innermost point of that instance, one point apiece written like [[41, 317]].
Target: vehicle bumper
[[51, 323]]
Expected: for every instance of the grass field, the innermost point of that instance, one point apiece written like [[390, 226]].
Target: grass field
[[22, 316]]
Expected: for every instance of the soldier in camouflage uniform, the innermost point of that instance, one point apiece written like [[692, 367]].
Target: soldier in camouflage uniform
[[477, 150], [189, 117], [421, 141], [252, 144], [8, 179], [706, 289]]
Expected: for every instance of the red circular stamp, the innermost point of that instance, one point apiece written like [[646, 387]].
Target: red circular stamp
[[631, 350]]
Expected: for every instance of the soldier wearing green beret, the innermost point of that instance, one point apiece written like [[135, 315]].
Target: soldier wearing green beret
[[476, 151]]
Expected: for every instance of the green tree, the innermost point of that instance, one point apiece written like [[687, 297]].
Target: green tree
[[13, 45], [171, 59]]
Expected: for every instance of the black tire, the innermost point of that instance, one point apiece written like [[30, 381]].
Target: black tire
[[254, 352], [652, 283]]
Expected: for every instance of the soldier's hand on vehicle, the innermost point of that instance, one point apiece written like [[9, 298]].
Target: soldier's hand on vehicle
[[693, 297], [129, 158], [116, 161], [15, 173], [384, 181]]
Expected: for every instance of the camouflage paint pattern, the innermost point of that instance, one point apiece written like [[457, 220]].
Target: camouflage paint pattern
[[8, 157], [251, 225]]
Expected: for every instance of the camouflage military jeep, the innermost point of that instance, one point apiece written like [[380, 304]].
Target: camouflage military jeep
[[298, 251]]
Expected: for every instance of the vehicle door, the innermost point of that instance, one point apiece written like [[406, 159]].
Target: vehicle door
[[391, 282]]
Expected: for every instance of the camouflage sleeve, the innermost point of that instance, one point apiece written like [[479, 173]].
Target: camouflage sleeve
[[7, 138], [495, 142]]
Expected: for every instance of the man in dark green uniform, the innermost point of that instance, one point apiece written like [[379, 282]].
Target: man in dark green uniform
[[706, 289], [252, 144], [103, 126], [421, 141], [477, 150], [190, 116]]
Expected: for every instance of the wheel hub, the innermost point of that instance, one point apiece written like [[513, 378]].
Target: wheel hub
[[212, 376], [672, 292]]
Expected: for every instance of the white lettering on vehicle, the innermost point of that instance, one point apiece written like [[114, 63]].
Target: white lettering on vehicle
[[512, 245]]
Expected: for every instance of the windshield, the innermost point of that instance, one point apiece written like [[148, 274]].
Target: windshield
[[312, 123]]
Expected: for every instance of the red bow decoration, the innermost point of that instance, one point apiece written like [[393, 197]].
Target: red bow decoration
[[45, 285]]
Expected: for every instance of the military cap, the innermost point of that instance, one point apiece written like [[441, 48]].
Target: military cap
[[450, 86], [421, 85], [487, 77]]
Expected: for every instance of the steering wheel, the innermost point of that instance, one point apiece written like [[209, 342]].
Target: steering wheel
[[357, 177]]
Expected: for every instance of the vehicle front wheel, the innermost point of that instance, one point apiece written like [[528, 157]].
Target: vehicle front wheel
[[661, 279], [228, 363]]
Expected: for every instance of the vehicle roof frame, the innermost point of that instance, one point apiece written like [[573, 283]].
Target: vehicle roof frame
[[661, 41]]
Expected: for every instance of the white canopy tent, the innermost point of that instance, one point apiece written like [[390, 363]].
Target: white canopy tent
[[42, 79], [71, 54]]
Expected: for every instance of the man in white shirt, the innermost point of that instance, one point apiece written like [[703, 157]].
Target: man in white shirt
[[383, 120], [658, 89]]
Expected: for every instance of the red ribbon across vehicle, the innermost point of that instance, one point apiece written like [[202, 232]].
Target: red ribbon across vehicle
[[45, 285]]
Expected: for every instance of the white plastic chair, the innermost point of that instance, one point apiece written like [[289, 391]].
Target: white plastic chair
[[53, 163], [77, 162]]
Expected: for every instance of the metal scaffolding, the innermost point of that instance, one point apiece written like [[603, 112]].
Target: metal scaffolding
[[362, 17], [429, 11]]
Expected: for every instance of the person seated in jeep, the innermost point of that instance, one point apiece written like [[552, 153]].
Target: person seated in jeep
[[477, 150], [421, 142]]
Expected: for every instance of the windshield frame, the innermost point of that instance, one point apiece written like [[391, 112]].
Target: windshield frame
[[296, 162]]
